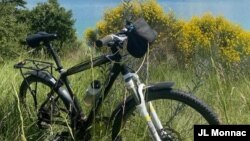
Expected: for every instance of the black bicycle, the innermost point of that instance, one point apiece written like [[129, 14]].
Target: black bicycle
[[152, 112]]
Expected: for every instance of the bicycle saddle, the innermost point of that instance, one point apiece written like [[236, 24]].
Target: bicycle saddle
[[35, 39]]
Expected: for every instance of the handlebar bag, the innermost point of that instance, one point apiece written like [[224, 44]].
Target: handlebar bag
[[139, 38]]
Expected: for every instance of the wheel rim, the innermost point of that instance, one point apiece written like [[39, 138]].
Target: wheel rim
[[32, 98], [30, 113]]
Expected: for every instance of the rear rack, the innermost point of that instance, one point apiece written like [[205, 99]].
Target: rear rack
[[34, 65]]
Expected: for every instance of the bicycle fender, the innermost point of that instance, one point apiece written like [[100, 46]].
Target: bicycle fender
[[51, 81], [160, 86]]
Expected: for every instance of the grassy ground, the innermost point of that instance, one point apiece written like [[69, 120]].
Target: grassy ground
[[228, 96]]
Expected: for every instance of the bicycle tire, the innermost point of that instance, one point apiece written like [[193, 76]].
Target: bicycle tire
[[124, 113], [30, 113]]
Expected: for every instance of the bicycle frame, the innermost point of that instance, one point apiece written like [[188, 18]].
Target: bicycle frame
[[71, 101], [128, 76], [115, 71]]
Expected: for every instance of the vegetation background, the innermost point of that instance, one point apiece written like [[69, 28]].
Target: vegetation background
[[207, 55]]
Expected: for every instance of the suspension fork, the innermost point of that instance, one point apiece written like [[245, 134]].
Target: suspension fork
[[153, 121], [155, 117]]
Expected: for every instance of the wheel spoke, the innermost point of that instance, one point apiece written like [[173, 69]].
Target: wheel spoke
[[41, 108], [180, 107]]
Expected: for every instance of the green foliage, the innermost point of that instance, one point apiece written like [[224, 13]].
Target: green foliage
[[12, 31], [15, 2], [16, 22], [53, 18]]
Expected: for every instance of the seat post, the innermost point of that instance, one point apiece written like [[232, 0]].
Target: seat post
[[54, 55]]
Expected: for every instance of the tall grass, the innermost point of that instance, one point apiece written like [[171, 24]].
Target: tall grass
[[227, 95]]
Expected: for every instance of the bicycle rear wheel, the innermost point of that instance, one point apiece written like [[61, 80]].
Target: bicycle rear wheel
[[34, 94], [178, 112]]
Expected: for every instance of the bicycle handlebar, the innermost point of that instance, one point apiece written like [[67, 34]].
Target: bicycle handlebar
[[105, 40], [119, 37]]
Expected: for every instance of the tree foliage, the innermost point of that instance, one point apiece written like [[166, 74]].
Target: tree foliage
[[12, 31], [16, 22], [53, 18], [15, 2]]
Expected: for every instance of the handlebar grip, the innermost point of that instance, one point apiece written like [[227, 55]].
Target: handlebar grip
[[104, 41]]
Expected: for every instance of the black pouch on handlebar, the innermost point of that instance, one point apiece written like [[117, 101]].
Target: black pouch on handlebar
[[139, 38]]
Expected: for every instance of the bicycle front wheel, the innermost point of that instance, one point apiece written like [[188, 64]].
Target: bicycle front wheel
[[178, 112]]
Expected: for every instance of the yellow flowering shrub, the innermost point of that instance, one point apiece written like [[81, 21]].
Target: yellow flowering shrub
[[199, 38], [230, 54], [209, 36], [114, 19], [92, 36], [244, 42], [190, 38]]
